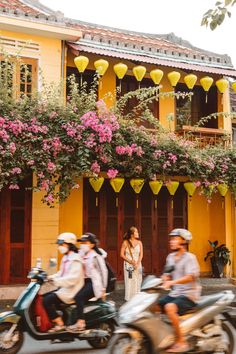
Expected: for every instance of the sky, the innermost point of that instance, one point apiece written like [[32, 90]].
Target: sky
[[183, 17]]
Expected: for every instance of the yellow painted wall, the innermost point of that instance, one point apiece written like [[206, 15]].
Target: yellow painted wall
[[212, 222], [49, 57], [71, 212], [45, 229]]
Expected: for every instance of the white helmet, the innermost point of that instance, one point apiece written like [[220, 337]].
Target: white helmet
[[67, 237], [185, 234]]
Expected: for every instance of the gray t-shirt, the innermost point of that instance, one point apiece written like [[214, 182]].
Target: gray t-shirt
[[185, 265]]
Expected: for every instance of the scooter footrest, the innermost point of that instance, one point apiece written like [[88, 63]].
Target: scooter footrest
[[93, 333], [62, 340]]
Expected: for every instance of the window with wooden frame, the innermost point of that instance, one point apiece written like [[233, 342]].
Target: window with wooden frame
[[18, 75], [189, 112], [88, 76], [128, 84]]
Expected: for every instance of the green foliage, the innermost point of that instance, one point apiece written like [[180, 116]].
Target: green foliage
[[221, 253], [216, 16]]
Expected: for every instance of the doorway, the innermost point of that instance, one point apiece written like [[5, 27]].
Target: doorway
[[15, 233], [153, 220]]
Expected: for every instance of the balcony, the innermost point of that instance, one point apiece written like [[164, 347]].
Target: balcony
[[205, 136]]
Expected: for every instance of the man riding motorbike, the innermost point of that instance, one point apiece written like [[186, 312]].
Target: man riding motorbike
[[183, 280], [69, 279]]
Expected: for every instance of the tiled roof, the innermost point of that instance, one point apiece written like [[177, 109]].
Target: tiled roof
[[167, 46], [29, 9], [151, 59]]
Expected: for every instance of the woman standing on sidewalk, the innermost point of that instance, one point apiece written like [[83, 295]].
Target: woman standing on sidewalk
[[132, 253]]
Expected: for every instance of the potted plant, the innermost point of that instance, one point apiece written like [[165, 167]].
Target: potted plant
[[219, 257]]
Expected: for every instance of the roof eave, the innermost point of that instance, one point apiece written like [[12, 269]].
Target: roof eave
[[194, 66], [34, 27]]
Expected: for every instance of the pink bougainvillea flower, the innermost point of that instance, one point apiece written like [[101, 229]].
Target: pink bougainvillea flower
[[16, 171], [112, 173], [95, 167], [51, 167], [14, 186]]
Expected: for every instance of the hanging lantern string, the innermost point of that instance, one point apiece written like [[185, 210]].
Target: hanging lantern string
[[81, 80]]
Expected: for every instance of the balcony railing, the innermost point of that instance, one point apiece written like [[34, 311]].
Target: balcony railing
[[205, 136]]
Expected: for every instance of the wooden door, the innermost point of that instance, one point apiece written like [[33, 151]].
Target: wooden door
[[110, 221], [15, 234]]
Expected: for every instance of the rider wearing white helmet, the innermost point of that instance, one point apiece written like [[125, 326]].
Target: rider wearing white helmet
[[69, 279], [183, 279]]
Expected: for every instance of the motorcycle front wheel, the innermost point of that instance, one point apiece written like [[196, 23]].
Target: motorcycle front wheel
[[12, 344], [101, 343], [123, 343]]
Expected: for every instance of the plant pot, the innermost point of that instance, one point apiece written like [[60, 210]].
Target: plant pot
[[217, 267]]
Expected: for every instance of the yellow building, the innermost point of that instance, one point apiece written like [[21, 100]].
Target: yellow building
[[50, 43]]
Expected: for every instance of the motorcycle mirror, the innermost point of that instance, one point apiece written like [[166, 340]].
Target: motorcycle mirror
[[168, 269], [52, 262]]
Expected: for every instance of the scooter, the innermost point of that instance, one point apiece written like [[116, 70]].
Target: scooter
[[145, 331], [100, 317]]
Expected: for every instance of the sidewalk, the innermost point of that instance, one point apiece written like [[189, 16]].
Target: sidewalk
[[8, 294], [209, 286]]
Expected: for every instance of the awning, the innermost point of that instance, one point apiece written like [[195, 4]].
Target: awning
[[78, 48]]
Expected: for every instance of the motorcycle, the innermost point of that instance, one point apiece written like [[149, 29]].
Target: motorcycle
[[144, 331], [100, 317]]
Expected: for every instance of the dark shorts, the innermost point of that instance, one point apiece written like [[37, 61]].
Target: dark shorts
[[183, 303]]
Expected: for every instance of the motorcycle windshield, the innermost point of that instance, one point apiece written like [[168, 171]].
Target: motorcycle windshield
[[132, 309]]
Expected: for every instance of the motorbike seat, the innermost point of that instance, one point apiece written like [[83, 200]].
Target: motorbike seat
[[205, 301], [208, 300]]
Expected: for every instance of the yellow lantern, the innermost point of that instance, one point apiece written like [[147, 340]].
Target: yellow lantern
[[139, 72], [222, 85], [190, 80], [81, 62], [172, 188], [173, 77], [156, 76], [155, 187], [223, 189], [234, 86], [117, 183], [190, 188], [101, 66], [96, 184], [120, 70], [137, 185], [206, 83]]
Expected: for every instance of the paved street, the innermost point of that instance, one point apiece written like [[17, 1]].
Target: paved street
[[32, 346]]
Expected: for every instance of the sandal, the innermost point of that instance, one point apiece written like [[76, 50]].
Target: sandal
[[57, 328], [75, 328], [178, 348]]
